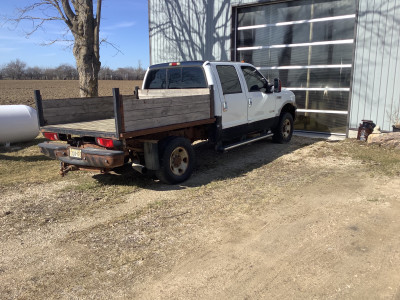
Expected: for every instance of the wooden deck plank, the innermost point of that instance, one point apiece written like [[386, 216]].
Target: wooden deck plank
[[165, 121], [161, 93], [135, 104], [98, 107], [107, 125], [143, 114], [54, 103]]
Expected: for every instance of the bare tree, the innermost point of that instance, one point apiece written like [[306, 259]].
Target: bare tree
[[15, 69], [34, 73], [105, 73], [84, 25], [66, 71], [18, 69]]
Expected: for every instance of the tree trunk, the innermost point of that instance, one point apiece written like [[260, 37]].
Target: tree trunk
[[85, 28], [85, 51], [88, 66]]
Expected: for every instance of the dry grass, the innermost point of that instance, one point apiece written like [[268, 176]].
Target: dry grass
[[380, 161], [24, 164]]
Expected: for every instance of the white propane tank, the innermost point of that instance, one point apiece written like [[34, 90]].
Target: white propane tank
[[18, 123]]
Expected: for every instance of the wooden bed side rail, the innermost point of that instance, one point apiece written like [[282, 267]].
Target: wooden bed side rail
[[181, 106], [63, 111]]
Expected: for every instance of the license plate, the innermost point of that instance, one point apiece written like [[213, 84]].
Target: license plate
[[75, 153]]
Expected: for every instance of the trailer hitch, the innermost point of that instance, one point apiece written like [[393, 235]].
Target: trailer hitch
[[65, 168]]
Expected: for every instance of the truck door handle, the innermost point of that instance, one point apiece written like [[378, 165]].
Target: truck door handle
[[225, 106], [250, 102]]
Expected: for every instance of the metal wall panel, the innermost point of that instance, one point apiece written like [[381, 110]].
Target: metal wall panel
[[375, 88], [191, 29]]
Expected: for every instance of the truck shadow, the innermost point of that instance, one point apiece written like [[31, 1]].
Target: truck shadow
[[212, 166]]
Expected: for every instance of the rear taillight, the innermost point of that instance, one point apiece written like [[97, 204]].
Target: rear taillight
[[51, 136], [174, 64], [108, 143]]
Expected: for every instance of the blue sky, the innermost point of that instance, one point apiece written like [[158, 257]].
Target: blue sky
[[124, 23]]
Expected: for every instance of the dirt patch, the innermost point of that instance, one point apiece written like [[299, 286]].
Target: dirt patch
[[312, 219], [21, 91]]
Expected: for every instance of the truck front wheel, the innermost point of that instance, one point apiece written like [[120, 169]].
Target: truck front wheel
[[284, 131], [177, 161]]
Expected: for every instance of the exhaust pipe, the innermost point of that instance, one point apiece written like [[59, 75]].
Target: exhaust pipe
[[139, 168]]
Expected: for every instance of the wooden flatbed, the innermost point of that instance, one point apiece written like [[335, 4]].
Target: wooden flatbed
[[118, 116]]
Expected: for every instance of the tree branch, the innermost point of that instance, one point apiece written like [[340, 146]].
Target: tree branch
[[98, 13], [97, 29], [56, 4], [104, 41], [68, 12]]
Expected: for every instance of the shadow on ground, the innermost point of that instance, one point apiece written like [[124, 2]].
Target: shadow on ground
[[212, 166], [14, 147]]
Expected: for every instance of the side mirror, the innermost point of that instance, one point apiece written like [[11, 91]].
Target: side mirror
[[268, 89], [277, 85]]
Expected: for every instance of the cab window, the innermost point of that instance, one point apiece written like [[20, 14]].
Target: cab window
[[229, 80], [193, 77], [254, 80], [156, 79], [176, 78]]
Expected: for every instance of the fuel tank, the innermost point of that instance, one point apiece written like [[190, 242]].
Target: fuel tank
[[18, 123]]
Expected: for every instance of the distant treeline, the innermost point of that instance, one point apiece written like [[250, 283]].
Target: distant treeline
[[18, 69]]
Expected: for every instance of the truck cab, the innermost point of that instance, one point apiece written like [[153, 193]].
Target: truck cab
[[244, 101]]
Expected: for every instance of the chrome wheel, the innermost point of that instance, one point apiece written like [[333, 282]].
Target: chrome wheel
[[179, 161]]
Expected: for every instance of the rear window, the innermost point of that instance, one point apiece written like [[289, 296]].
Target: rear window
[[156, 79], [176, 78]]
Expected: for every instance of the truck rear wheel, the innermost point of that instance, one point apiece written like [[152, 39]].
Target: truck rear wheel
[[177, 161], [284, 131]]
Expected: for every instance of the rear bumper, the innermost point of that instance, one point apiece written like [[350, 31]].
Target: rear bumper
[[90, 157]]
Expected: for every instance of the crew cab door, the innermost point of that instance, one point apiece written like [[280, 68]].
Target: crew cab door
[[261, 104], [234, 106]]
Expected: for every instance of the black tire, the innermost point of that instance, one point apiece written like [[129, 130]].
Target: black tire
[[177, 160], [284, 131]]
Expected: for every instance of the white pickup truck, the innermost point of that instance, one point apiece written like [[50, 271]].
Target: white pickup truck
[[227, 103]]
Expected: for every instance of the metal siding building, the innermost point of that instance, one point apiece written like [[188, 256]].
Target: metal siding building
[[339, 57]]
